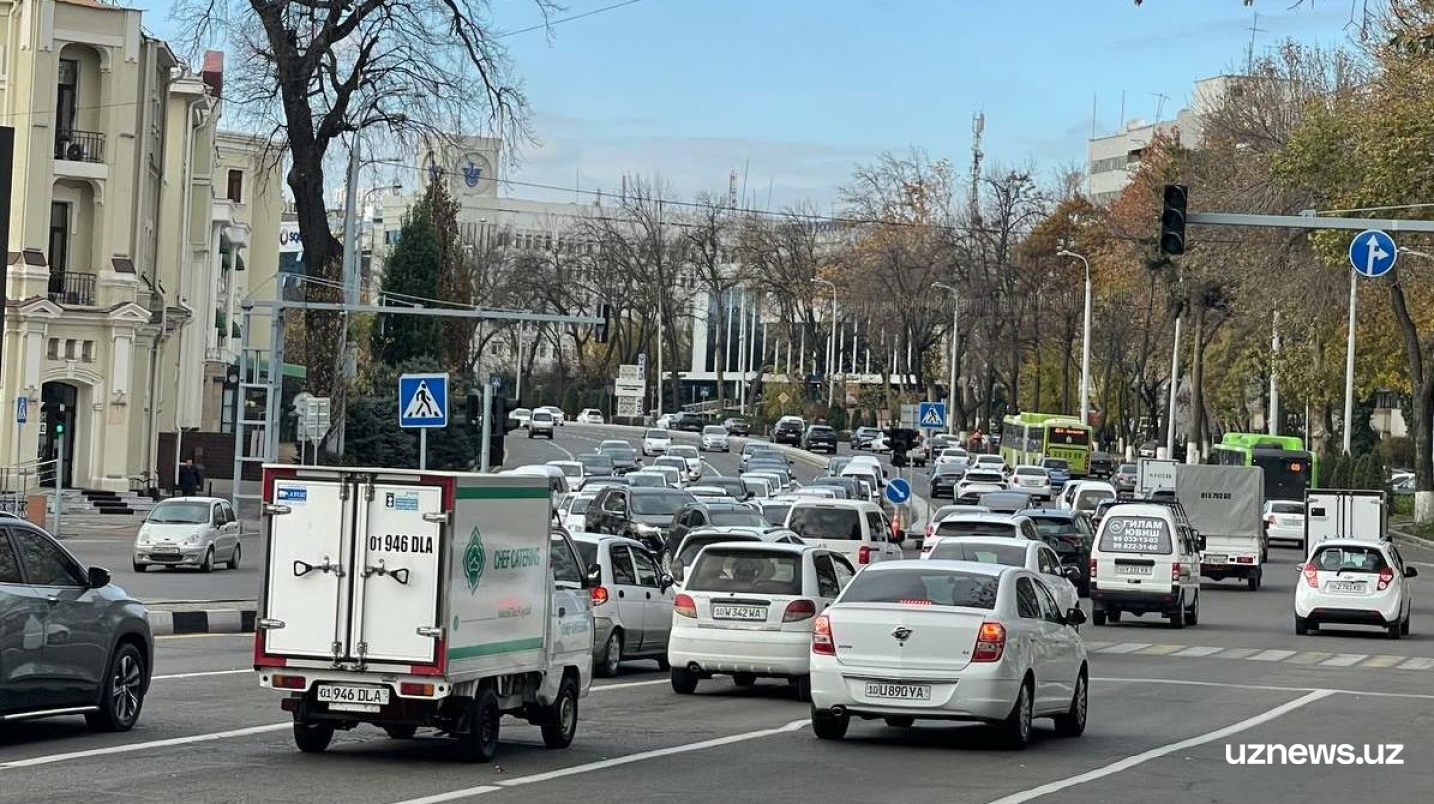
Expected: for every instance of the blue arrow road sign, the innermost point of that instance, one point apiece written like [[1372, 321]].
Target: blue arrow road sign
[[932, 415], [1372, 253], [898, 490], [423, 400]]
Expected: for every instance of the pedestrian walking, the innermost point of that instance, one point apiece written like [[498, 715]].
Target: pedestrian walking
[[189, 478]]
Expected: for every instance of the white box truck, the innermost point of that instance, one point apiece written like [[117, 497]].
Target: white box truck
[[412, 600], [1154, 476], [1225, 503], [1344, 515]]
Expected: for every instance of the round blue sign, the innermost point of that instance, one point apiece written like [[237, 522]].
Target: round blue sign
[[898, 490], [1372, 253]]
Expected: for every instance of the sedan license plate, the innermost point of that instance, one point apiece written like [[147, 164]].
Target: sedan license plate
[[1132, 569], [343, 696], [727, 611], [898, 692], [1345, 587]]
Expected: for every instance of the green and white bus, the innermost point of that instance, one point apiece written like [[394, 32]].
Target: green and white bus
[[1290, 469], [1028, 438]]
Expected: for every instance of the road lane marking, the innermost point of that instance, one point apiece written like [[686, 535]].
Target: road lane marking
[[1271, 656], [50, 759], [628, 685], [1199, 650], [1417, 664], [1091, 646], [604, 764], [1126, 647], [202, 674], [1310, 658], [1383, 660], [1418, 696], [1160, 650], [1344, 660], [1155, 753], [240, 635]]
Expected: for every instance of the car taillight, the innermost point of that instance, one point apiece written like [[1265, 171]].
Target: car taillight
[[799, 610], [1311, 575], [990, 643], [291, 682], [863, 554], [599, 595], [1175, 572], [1092, 568], [415, 688], [685, 606], [822, 642], [1269, 519], [929, 529], [1386, 577]]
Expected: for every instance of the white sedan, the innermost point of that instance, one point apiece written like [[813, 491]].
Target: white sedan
[[1033, 479], [1038, 557], [590, 416], [948, 640], [558, 415], [1355, 582], [689, 454]]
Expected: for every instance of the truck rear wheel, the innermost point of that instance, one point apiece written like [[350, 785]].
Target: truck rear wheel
[[312, 738], [561, 720], [480, 742]]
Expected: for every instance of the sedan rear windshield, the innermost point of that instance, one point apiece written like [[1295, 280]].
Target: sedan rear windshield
[[1031, 471], [660, 434], [814, 522], [714, 430], [983, 477], [659, 504], [1055, 463], [776, 514], [738, 519], [1088, 500], [1135, 534], [693, 545], [1349, 559], [1055, 527], [1008, 554], [578, 505], [733, 569], [1287, 508], [588, 552], [924, 587], [1003, 529]]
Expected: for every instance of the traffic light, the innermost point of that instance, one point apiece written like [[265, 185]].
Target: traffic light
[[603, 331], [900, 439], [1172, 219]]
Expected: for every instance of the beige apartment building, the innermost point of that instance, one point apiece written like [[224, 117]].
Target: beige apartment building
[[129, 225]]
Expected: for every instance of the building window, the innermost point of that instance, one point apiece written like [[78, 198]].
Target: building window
[[87, 351], [1107, 165], [59, 237], [66, 97], [235, 190], [70, 350], [52, 350]]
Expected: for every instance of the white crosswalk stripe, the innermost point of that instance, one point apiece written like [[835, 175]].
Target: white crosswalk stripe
[[1272, 656], [1345, 660], [1125, 647], [1362, 661], [1199, 651], [1417, 664]]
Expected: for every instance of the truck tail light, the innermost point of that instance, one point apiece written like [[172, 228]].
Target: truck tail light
[[599, 595], [290, 682], [1175, 572], [799, 610], [822, 642], [685, 606], [416, 689], [1386, 577], [863, 554], [990, 643], [1311, 575]]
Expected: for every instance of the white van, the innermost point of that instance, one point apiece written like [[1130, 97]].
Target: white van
[[855, 528], [864, 472], [1146, 558], [1086, 495]]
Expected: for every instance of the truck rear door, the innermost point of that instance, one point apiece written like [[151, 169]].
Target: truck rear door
[[305, 605], [397, 572]]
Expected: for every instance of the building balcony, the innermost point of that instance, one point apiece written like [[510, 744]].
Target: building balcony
[[72, 289], [72, 145]]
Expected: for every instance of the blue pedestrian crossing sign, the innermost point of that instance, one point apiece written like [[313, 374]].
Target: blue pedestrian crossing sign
[[22, 409], [423, 400], [1372, 253], [898, 490], [932, 415]]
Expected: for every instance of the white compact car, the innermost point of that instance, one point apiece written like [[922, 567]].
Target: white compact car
[[572, 510], [948, 640], [541, 423], [1035, 556], [558, 415], [188, 532], [631, 606], [992, 462], [676, 475], [716, 438], [1033, 479], [982, 523], [1285, 522], [656, 441], [521, 416], [746, 610], [689, 454], [590, 416], [858, 530], [573, 471], [977, 482], [1354, 582]]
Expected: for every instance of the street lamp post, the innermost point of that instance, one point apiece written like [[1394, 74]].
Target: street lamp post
[[831, 346], [951, 375], [1085, 340]]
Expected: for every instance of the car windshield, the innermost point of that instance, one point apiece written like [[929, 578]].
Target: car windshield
[[1349, 559], [180, 513], [820, 522], [646, 480], [542, 416], [714, 430], [737, 518], [577, 505], [1127, 468], [968, 528], [684, 452], [657, 434], [1011, 555], [1088, 500], [1287, 508], [776, 513], [924, 587], [659, 504], [571, 470], [693, 545], [1134, 534], [734, 569], [1055, 463]]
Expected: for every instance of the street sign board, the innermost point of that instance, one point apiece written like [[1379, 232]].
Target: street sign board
[[629, 371], [22, 409], [898, 490], [623, 387], [642, 366], [495, 381], [911, 416], [933, 415], [1372, 253], [629, 406], [315, 414], [423, 400]]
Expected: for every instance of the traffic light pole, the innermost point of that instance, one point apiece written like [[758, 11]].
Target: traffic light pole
[[483, 456], [59, 472]]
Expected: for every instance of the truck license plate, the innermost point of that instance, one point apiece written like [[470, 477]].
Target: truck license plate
[[346, 698], [724, 611], [1216, 558], [898, 692]]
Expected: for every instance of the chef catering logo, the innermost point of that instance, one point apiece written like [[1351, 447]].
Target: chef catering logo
[[475, 559]]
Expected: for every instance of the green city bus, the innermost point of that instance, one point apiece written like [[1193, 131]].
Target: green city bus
[[1290, 469], [1028, 438]]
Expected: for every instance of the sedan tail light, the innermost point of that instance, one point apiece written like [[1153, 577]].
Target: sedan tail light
[[990, 643], [1386, 577], [685, 606], [799, 610], [822, 642], [1311, 575]]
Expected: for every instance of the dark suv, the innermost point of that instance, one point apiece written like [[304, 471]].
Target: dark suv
[[789, 430], [820, 437], [70, 641], [711, 514], [737, 426], [1071, 535], [641, 513], [689, 423]]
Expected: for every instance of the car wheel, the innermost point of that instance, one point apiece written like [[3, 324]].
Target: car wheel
[[1253, 582], [1192, 614], [1302, 626], [562, 717], [744, 679], [902, 722], [611, 656], [1072, 723], [480, 742], [234, 557], [829, 726], [400, 732], [312, 738], [1404, 628], [208, 565], [1016, 728], [1177, 617], [804, 688], [122, 697], [1097, 616], [1396, 629], [684, 682], [1113, 615], [140, 567]]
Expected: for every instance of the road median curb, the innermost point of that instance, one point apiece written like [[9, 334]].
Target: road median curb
[[228, 620], [1409, 537]]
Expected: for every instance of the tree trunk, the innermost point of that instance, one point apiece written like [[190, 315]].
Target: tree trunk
[[1197, 381], [1422, 391], [720, 352], [322, 255]]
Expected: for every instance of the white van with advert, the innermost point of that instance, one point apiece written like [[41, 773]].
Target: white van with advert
[[411, 600], [1145, 560], [858, 530]]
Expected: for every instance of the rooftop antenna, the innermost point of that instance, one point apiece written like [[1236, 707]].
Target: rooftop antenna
[[1250, 54], [978, 127], [732, 189], [1160, 107], [1094, 100]]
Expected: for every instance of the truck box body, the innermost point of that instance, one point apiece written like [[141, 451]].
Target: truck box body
[[1225, 503], [1344, 515], [1154, 475]]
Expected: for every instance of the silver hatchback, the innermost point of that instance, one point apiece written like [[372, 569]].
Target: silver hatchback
[[188, 532]]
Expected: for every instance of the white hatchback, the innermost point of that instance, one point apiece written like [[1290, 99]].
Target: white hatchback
[[1037, 557], [1354, 582], [746, 610], [1034, 479], [948, 640], [716, 438], [656, 441], [1285, 522], [590, 416]]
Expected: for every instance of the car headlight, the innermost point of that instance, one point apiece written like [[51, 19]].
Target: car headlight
[[143, 536], [194, 538]]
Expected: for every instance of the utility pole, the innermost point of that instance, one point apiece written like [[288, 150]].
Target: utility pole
[[661, 291], [951, 372], [1349, 360], [351, 287], [1174, 389], [483, 454], [1274, 412]]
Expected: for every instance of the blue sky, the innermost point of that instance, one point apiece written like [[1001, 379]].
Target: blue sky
[[795, 92]]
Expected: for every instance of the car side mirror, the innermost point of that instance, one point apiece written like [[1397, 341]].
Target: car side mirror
[[1075, 616], [1411, 572], [594, 577], [1071, 573], [666, 581], [1200, 542], [99, 577]]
